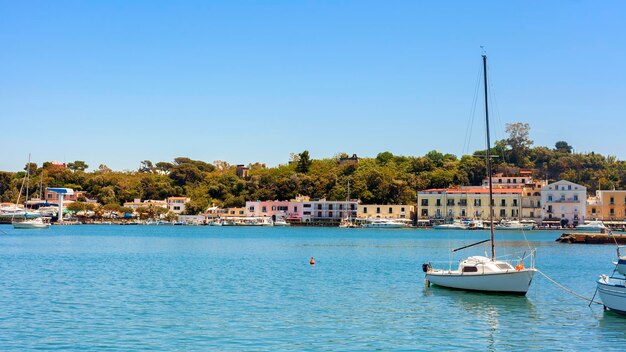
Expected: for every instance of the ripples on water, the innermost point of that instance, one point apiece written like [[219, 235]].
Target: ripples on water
[[205, 288]]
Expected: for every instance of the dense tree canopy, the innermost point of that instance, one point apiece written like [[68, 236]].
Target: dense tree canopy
[[387, 178]]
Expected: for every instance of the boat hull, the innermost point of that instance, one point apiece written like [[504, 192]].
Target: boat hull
[[612, 293], [513, 282], [30, 226]]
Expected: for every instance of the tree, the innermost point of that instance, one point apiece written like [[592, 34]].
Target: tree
[[31, 168], [518, 141], [304, 164], [164, 167], [146, 166], [104, 169], [77, 165], [563, 147]]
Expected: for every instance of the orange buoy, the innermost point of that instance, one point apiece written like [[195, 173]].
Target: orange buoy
[[312, 261], [519, 267]]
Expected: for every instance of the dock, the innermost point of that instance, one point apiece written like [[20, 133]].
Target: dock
[[592, 238]]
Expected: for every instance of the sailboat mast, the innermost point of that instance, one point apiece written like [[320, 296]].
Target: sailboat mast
[[493, 249], [27, 180]]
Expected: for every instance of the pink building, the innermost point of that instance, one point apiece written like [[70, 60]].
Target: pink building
[[274, 209]]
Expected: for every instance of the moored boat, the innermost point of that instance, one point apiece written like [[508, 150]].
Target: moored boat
[[383, 224], [478, 273], [36, 223], [456, 225], [592, 226], [513, 225]]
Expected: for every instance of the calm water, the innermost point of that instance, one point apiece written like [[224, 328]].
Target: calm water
[[224, 288]]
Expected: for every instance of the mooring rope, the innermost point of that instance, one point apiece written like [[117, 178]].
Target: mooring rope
[[567, 289]]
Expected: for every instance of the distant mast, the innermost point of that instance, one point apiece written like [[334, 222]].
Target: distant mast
[[493, 249]]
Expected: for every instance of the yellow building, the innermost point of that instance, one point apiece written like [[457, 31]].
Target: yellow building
[[235, 212], [468, 202], [607, 205], [387, 211]]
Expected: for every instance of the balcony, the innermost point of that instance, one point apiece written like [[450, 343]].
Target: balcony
[[567, 200]]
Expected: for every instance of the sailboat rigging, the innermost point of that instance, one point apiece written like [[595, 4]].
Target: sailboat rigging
[[478, 273]]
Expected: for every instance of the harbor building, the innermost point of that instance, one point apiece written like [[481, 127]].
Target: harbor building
[[177, 204], [274, 209], [137, 203], [608, 206], [563, 203], [443, 204], [321, 210], [385, 211]]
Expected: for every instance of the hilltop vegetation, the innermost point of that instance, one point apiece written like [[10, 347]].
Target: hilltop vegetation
[[386, 179]]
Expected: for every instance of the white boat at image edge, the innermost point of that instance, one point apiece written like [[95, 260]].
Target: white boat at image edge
[[478, 273], [612, 289]]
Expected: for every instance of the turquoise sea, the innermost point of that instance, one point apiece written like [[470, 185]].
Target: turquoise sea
[[166, 288]]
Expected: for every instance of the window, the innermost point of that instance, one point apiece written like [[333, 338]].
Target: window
[[514, 202], [612, 200], [176, 208], [306, 213], [532, 214], [390, 210], [424, 202], [402, 209], [340, 206], [330, 207], [330, 214], [295, 209], [319, 207], [549, 197], [463, 212], [575, 196], [463, 202], [503, 202], [424, 212], [612, 212], [273, 208], [241, 212], [438, 202], [569, 187], [319, 214], [502, 213], [377, 210], [450, 202], [306, 205], [476, 202], [470, 269], [364, 210], [593, 211], [264, 209]]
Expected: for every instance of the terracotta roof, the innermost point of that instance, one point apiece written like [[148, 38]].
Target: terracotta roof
[[472, 190]]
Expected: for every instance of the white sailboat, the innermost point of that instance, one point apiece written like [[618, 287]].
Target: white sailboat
[[347, 223], [612, 289], [28, 223], [479, 273]]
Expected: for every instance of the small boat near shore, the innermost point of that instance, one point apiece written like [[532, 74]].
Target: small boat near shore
[[36, 223], [513, 225], [592, 226], [383, 224]]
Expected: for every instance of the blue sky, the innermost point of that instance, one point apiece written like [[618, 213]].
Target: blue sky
[[117, 82]]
